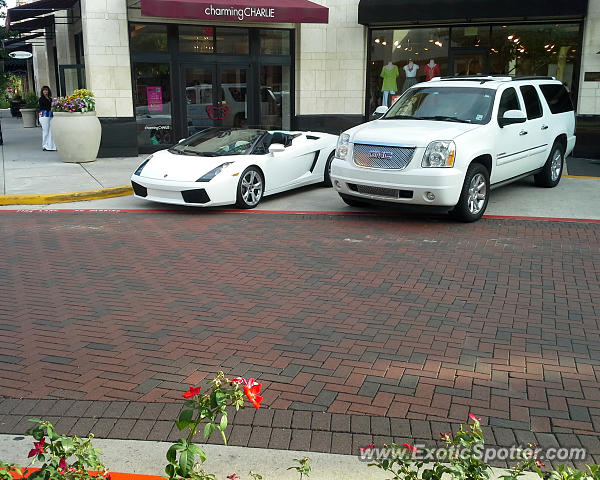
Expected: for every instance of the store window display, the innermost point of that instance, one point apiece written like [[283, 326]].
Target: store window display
[[389, 87], [397, 47]]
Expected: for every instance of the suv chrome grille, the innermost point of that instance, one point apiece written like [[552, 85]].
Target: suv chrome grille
[[380, 156]]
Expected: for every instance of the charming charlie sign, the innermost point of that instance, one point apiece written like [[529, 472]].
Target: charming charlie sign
[[248, 13], [259, 11]]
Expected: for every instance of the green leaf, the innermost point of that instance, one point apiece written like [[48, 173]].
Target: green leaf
[[186, 462], [209, 428], [196, 450], [223, 421], [172, 454], [170, 470]]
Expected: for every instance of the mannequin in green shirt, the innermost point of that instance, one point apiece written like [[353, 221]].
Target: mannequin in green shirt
[[389, 73]]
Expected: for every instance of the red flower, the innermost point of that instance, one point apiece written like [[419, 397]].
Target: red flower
[[446, 436], [539, 463], [38, 447], [367, 448], [474, 418], [192, 393], [239, 380], [252, 390], [233, 476], [411, 448], [62, 466]]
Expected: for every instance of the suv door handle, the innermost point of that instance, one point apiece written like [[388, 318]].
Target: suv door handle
[[544, 127], [522, 132]]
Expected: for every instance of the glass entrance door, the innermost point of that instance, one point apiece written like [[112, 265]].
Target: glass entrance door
[[468, 62], [215, 96]]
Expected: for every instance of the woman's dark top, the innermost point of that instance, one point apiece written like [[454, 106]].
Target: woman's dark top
[[45, 103]]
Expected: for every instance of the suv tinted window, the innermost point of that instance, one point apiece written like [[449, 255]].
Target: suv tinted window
[[508, 101], [557, 97], [532, 102]]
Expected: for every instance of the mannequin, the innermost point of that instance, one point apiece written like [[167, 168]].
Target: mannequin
[[432, 69], [389, 73], [410, 69]]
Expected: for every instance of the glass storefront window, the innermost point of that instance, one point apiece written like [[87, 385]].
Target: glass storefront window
[[390, 69], [152, 101], [274, 42], [275, 109], [196, 39], [148, 37], [470, 36], [232, 41], [547, 50]]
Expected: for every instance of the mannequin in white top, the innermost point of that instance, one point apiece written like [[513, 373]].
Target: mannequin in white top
[[410, 70]]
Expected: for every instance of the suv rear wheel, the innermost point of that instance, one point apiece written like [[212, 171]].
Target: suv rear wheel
[[474, 195], [552, 170]]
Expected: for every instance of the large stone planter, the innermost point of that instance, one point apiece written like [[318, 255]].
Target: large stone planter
[[28, 115], [76, 135]]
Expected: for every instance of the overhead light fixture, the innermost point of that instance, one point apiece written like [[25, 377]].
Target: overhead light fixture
[[377, 40], [510, 37], [384, 43]]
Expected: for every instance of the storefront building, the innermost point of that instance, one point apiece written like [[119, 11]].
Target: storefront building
[[163, 69]]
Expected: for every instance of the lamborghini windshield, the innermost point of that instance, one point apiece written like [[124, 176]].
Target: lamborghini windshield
[[217, 142], [446, 104]]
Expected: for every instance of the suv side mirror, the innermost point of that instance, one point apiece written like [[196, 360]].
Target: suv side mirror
[[276, 148], [381, 110], [512, 116]]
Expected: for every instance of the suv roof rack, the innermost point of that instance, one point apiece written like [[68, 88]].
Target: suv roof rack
[[490, 78]]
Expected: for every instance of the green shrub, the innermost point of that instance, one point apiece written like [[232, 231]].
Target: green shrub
[[31, 100]]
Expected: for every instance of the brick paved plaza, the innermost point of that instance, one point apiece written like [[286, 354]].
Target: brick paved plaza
[[360, 327]]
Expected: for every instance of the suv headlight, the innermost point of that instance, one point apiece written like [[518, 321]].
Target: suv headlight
[[440, 153], [342, 146], [207, 177], [141, 167]]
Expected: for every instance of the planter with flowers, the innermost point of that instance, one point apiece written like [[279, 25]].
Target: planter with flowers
[[75, 127]]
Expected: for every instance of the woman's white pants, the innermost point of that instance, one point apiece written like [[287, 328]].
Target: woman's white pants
[[47, 142]]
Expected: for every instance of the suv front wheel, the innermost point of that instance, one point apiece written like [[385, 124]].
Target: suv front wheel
[[474, 195]]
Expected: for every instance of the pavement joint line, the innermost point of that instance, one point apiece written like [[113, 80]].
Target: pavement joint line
[[49, 198], [276, 212]]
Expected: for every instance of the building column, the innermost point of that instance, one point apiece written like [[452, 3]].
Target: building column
[[330, 69], [589, 91], [108, 73], [43, 66]]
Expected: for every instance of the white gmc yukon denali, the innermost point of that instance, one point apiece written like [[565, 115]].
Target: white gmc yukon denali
[[446, 142]]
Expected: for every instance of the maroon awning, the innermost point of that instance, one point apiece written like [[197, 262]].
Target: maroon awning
[[281, 11]]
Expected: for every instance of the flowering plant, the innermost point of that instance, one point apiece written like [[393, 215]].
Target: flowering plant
[[81, 100], [54, 451], [210, 409]]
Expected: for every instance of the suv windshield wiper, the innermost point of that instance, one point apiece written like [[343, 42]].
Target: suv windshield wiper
[[401, 117], [443, 118]]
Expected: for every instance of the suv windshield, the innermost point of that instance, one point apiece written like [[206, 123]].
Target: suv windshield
[[446, 104], [216, 142]]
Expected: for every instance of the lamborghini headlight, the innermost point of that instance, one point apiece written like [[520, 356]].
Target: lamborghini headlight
[[342, 146], [207, 177], [141, 167], [440, 153]]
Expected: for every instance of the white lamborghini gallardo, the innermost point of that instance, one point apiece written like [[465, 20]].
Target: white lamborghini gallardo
[[225, 166]]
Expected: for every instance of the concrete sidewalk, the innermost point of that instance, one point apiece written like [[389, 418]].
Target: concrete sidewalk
[[27, 170]]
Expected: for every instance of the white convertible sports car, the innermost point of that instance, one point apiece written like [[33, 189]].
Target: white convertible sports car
[[224, 166]]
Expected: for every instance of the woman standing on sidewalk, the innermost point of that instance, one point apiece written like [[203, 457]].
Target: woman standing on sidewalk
[[45, 118]]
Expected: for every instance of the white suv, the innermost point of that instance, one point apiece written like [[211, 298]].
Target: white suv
[[446, 142]]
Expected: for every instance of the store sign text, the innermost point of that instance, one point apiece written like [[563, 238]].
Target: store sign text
[[240, 13]]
